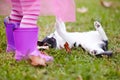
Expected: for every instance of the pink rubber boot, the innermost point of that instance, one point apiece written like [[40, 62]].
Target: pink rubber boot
[[9, 34], [26, 44]]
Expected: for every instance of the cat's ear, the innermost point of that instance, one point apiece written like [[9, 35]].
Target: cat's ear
[[40, 43]]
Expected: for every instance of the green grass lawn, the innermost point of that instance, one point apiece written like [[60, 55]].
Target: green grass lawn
[[75, 66]]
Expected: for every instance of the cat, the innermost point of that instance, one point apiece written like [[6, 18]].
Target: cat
[[94, 42]]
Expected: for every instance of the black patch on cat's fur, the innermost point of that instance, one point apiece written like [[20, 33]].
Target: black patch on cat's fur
[[74, 44], [105, 53], [51, 42], [105, 45], [81, 47], [40, 43]]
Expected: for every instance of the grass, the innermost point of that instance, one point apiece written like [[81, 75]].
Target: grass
[[75, 66]]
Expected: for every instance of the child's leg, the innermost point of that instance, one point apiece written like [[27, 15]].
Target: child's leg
[[31, 10], [11, 22], [27, 34], [16, 13]]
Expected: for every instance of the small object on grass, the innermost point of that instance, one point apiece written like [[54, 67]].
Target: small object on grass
[[82, 10], [106, 3], [37, 61], [67, 48]]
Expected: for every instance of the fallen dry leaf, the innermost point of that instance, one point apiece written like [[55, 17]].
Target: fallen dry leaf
[[37, 61], [118, 50], [82, 10], [0, 50], [79, 77], [106, 3], [67, 48]]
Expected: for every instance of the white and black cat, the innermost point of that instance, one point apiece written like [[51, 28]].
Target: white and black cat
[[95, 42]]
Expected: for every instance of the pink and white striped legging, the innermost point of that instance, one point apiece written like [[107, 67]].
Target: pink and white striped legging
[[25, 12]]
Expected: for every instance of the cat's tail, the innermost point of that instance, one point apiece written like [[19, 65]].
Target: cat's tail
[[60, 26], [61, 30]]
